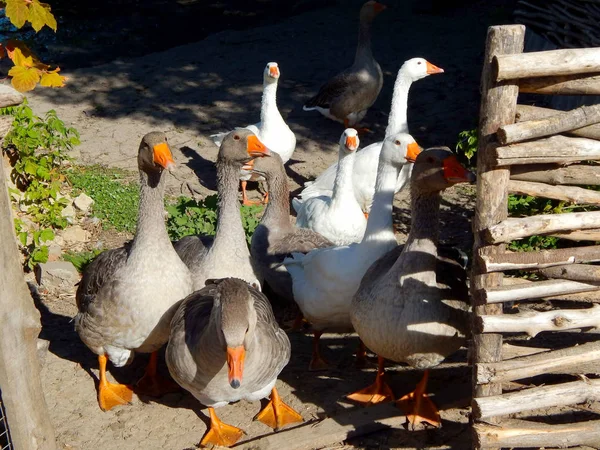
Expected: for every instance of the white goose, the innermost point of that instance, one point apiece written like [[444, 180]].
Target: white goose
[[324, 280], [365, 167], [271, 130], [339, 218]]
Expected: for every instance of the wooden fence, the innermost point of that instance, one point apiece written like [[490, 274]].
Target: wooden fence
[[538, 152]]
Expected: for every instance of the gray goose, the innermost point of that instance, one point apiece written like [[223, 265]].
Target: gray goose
[[227, 253], [412, 303], [225, 346], [347, 96], [275, 236], [125, 295]]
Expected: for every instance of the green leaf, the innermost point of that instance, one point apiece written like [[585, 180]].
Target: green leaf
[[46, 235]]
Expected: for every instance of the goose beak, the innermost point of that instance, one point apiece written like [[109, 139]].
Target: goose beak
[[351, 143], [235, 364], [412, 151], [378, 7], [431, 69], [163, 156], [255, 148], [454, 172], [274, 71]]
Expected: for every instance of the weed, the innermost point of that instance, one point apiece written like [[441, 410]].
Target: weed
[[81, 259]]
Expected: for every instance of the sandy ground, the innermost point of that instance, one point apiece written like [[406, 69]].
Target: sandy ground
[[213, 85]]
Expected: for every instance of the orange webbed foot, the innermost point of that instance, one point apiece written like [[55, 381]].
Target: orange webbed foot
[[111, 395], [152, 383], [418, 407], [276, 414], [378, 392], [220, 433]]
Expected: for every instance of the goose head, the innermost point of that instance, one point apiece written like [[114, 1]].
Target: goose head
[[436, 169], [271, 74], [349, 141], [417, 68], [399, 149], [235, 315], [370, 10], [266, 167], [240, 147], [154, 154]]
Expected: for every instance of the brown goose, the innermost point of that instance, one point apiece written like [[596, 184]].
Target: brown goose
[[225, 345], [347, 96], [227, 254], [125, 293], [412, 304], [275, 236]]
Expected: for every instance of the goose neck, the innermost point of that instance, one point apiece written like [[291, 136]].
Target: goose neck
[[151, 218], [363, 48], [398, 121], [380, 225], [277, 212], [269, 113], [343, 189], [230, 232]]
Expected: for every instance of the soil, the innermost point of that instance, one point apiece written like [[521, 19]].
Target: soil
[[194, 90]]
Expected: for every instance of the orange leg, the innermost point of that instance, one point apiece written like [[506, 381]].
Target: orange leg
[[366, 215], [245, 200], [418, 407], [111, 394], [276, 414], [296, 324], [361, 354], [317, 362], [376, 393], [153, 384], [220, 433]]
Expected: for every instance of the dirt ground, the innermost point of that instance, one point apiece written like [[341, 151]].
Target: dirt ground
[[212, 85]]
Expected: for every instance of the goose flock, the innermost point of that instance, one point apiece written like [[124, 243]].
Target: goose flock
[[340, 262]]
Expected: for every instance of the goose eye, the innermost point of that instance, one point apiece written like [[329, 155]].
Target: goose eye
[[236, 137], [419, 62], [397, 142]]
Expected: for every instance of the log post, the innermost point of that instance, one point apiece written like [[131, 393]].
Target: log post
[[541, 259], [22, 395], [559, 149], [562, 85], [527, 112], [537, 289], [498, 108], [570, 194], [553, 174]]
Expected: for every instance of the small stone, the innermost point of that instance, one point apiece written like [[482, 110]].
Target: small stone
[[54, 252], [75, 235], [69, 213], [83, 202], [61, 275]]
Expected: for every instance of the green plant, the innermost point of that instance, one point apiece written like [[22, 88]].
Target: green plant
[[116, 199], [34, 243], [81, 259], [467, 143]]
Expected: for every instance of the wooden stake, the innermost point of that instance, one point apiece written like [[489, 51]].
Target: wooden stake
[[548, 63], [527, 112], [498, 108], [570, 194], [554, 174], [558, 123], [518, 228], [579, 235], [558, 149], [537, 289], [510, 351], [581, 359], [536, 398], [522, 433], [565, 85], [540, 259], [532, 323], [575, 272]]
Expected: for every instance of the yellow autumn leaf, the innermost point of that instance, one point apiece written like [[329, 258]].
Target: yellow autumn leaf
[[53, 79], [19, 59], [40, 15], [24, 78], [17, 12]]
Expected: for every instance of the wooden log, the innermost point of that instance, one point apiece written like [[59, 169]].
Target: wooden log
[[522, 433], [510, 351], [540, 259], [537, 289], [575, 272], [570, 194], [558, 149], [520, 227], [582, 358], [558, 123], [548, 63], [357, 422], [532, 323], [579, 235], [527, 112], [581, 174], [564, 85], [563, 394], [22, 395], [9, 96], [498, 108]]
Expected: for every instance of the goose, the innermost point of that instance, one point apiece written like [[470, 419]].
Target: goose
[[365, 166], [412, 304], [324, 280], [225, 345], [125, 293], [347, 96], [272, 130], [227, 253], [275, 236], [337, 217]]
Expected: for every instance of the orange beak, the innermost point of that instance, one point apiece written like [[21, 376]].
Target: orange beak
[[351, 143], [412, 151], [454, 172], [163, 156], [235, 364], [256, 148], [378, 7], [431, 69], [274, 71]]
